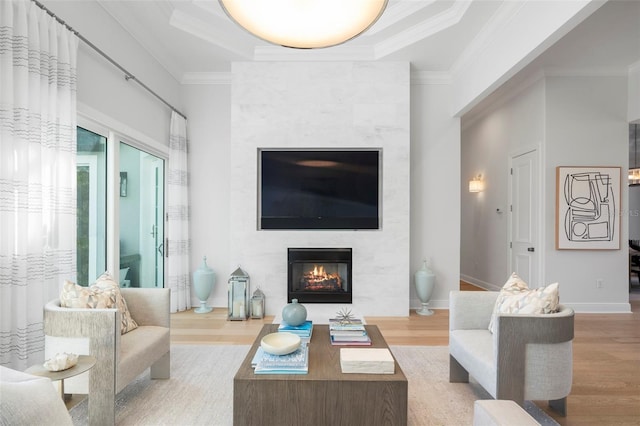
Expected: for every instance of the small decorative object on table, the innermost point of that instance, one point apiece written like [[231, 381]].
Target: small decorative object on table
[[257, 304], [238, 292], [203, 280], [346, 330], [294, 313], [61, 361], [425, 281], [345, 316], [280, 343]]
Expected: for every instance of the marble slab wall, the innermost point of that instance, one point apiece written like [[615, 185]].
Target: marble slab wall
[[323, 105]]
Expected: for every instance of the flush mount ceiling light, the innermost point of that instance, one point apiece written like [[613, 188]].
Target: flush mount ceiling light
[[305, 24]]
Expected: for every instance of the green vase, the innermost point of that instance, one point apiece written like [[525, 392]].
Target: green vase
[[203, 280], [294, 313]]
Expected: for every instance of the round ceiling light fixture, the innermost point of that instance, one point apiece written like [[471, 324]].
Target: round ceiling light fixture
[[305, 24]]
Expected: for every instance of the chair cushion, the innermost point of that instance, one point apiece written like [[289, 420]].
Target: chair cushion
[[516, 298]]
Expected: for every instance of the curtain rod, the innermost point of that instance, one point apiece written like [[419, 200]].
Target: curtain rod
[[127, 75]]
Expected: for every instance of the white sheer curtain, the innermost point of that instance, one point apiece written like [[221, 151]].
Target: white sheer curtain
[[37, 174], [179, 241]]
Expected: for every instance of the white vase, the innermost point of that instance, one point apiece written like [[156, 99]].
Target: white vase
[[203, 280], [425, 281]]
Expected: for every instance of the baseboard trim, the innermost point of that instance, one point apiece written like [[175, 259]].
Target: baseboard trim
[[479, 283]]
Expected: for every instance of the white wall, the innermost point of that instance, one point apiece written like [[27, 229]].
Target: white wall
[[209, 110], [634, 93], [435, 183], [512, 123], [323, 105], [103, 88], [576, 121], [586, 124]]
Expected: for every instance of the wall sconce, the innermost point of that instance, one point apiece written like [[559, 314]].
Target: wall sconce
[[476, 184]]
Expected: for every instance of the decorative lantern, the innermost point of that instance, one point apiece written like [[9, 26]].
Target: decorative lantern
[[257, 304], [238, 295]]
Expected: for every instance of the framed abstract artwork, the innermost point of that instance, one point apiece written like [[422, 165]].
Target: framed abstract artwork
[[588, 208]]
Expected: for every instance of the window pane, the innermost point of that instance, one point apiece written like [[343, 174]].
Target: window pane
[[91, 205]]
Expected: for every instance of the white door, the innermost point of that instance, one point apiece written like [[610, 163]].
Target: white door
[[524, 257]]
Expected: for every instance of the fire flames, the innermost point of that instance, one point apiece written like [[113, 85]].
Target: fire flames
[[319, 279]]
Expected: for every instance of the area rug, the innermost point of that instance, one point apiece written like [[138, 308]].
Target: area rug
[[200, 390]]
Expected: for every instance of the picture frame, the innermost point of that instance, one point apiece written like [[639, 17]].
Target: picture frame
[[588, 207]]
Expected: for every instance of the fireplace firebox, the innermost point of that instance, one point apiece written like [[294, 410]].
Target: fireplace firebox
[[319, 275]]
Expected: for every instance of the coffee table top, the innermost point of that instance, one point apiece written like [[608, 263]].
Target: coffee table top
[[324, 359]]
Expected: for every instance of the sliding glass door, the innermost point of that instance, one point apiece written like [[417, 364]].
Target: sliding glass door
[[120, 209], [141, 218], [91, 225]]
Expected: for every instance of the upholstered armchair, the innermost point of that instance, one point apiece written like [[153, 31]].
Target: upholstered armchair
[[527, 357], [119, 358], [27, 400]]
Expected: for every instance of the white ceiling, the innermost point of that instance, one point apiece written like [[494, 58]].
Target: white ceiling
[[189, 37]]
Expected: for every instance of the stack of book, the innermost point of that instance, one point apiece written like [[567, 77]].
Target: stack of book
[[304, 330], [348, 333], [294, 363]]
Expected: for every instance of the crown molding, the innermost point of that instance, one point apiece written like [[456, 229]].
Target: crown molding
[[427, 28], [481, 41], [397, 12], [208, 32], [223, 78], [337, 53], [585, 72]]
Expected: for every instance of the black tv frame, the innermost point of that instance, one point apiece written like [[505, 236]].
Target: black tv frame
[[320, 223]]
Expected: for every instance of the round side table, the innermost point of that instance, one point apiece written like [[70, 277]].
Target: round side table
[[85, 362]]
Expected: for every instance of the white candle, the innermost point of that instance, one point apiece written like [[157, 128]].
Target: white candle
[[257, 308], [236, 309], [242, 315]]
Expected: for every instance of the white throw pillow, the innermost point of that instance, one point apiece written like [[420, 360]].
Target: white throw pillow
[[516, 298]]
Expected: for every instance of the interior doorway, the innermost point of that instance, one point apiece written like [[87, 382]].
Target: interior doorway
[[524, 216]]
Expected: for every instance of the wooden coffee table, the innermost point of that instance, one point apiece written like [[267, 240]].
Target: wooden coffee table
[[324, 396]]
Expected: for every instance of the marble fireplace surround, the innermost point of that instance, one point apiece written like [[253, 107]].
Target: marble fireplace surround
[[323, 105]]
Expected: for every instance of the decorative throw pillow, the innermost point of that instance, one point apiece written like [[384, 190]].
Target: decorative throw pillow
[[76, 296], [107, 283], [104, 294], [516, 298]]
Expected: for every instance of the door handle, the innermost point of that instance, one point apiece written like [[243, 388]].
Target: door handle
[[531, 249]]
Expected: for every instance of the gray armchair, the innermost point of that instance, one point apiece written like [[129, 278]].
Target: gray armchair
[[529, 357], [119, 358]]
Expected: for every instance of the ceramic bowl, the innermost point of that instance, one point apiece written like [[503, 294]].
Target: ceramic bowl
[[281, 343]]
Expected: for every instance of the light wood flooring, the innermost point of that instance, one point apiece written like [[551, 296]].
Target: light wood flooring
[[606, 360]]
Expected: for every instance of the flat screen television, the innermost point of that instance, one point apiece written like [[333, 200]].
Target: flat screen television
[[319, 188]]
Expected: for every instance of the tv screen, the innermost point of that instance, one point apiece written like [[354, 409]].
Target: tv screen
[[319, 189]]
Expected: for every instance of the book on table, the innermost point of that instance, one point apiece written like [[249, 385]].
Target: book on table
[[296, 362], [367, 361], [346, 341], [303, 330], [337, 324]]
